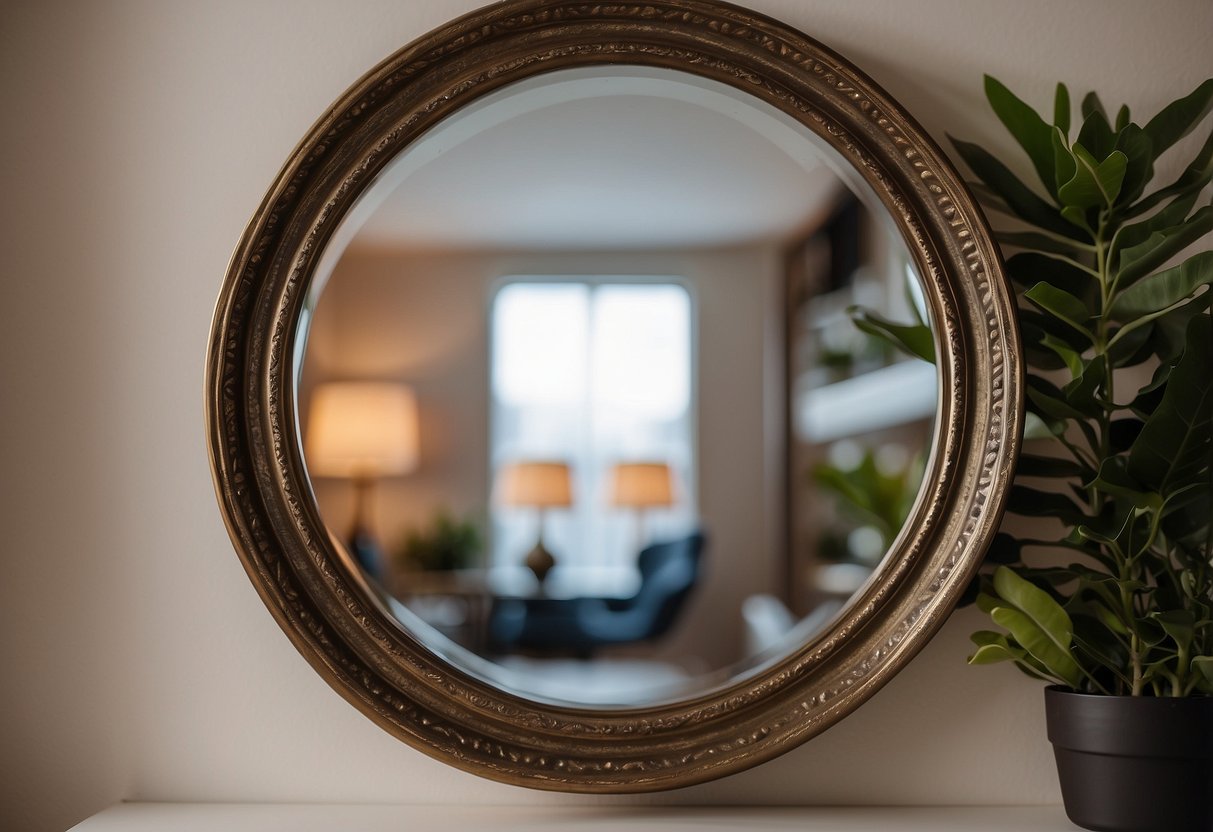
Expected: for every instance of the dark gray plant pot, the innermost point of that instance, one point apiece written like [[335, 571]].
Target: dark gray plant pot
[[1133, 764]]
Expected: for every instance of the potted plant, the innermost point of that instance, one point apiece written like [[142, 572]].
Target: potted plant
[[446, 545], [1116, 609]]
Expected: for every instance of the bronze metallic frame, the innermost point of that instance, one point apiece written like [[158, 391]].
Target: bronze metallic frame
[[321, 601]]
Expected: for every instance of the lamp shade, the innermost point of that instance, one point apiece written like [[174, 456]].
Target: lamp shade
[[539, 484], [642, 485], [362, 429]]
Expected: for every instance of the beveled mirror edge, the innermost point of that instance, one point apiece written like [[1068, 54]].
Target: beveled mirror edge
[[316, 600]]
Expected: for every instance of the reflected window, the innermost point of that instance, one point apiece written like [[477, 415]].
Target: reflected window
[[591, 373]]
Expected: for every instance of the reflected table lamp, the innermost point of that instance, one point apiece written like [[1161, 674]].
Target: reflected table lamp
[[641, 486], [363, 431], [540, 485]]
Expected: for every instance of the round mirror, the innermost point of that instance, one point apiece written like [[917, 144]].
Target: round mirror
[[609, 398], [594, 421]]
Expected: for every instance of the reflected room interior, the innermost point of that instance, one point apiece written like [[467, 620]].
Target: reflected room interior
[[581, 394]]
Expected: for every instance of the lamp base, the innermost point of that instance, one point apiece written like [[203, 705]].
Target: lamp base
[[540, 561]]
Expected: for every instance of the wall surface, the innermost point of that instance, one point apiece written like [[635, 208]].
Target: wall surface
[[138, 661]]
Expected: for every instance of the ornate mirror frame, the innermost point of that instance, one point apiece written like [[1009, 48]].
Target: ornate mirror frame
[[321, 600]]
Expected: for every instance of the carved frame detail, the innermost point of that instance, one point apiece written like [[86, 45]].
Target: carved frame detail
[[320, 599]]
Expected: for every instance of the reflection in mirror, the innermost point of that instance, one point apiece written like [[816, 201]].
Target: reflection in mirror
[[581, 395]]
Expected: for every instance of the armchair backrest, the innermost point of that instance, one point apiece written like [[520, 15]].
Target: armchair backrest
[[668, 573]]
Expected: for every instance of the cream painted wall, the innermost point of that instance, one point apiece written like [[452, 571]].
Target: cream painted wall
[[138, 662]]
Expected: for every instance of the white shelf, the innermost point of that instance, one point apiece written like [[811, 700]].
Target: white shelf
[[891, 396], [187, 817]]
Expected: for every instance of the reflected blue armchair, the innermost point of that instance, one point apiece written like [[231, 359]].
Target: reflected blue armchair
[[668, 574]]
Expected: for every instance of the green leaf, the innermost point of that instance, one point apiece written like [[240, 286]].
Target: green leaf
[[1029, 268], [1186, 519], [1064, 166], [1096, 134], [1093, 638], [1037, 623], [1026, 204], [1035, 241], [1091, 104], [1094, 183], [992, 654], [1195, 176], [1173, 448], [1163, 290], [1115, 480], [1204, 666], [1052, 402], [1109, 619], [1026, 126], [1173, 214], [1082, 392], [1179, 118], [1122, 118], [1035, 427], [1061, 109], [1132, 141], [915, 340], [1161, 246], [1069, 358], [1061, 305], [1180, 625], [1167, 332]]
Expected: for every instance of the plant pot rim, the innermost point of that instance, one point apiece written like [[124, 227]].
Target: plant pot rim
[[1061, 690], [1148, 726]]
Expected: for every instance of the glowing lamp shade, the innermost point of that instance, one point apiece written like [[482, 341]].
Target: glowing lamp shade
[[362, 429], [538, 484], [642, 485]]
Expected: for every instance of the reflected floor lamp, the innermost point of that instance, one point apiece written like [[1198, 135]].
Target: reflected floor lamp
[[363, 431], [641, 486], [540, 485]]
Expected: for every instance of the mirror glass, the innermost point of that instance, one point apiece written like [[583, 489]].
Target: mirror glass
[[581, 395]]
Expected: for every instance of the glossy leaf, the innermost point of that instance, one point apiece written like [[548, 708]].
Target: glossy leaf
[[1173, 447], [1034, 241], [1061, 305], [1161, 246], [1169, 216], [1018, 197], [1096, 134], [1083, 392], [1061, 109], [915, 340], [1204, 666], [1122, 118], [1115, 480], [1095, 183], [1028, 268], [1164, 289], [1132, 141], [1180, 625], [1026, 126], [1035, 427], [1037, 623], [1179, 118], [1194, 177]]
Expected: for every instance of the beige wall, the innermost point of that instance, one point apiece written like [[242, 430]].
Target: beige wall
[[138, 661], [421, 318]]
